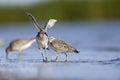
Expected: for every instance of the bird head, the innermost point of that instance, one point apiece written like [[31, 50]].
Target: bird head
[[42, 33], [51, 39]]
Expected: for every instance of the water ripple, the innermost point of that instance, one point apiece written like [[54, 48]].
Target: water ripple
[[38, 61]]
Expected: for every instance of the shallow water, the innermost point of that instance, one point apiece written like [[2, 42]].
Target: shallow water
[[99, 57]]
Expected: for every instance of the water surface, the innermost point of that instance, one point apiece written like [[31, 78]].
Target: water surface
[[98, 43]]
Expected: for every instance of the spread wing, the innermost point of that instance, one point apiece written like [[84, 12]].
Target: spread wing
[[34, 21], [50, 23]]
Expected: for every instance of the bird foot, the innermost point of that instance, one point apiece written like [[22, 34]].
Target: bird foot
[[66, 60], [45, 60], [53, 60]]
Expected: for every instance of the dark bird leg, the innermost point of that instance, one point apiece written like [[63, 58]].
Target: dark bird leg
[[55, 58], [66, 57]]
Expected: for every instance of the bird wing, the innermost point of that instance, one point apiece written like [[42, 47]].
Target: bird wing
[[50, 23], [34, 21]]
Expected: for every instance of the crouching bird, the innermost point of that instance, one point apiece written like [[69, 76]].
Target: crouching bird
[[60, 46], [19, 45]]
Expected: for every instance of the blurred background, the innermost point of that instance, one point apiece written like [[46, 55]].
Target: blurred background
[[13, 10], [91, 26]]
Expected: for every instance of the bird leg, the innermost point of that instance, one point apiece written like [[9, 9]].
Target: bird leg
[[42, 54], [6, 55], [55, 58], [66, 57], [46, 59]]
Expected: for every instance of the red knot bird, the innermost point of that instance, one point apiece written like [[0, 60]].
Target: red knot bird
[[61, 46], [19, 45], [42, 37]]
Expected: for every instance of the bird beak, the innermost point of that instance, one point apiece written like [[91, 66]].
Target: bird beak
[[6, 55]]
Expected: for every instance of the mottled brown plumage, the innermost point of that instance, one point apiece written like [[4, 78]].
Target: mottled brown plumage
[[61, 46]]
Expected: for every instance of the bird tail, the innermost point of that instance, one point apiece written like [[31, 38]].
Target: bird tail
[[76, 51]]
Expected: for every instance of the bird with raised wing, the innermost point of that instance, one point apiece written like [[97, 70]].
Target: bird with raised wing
[[42, 37]]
